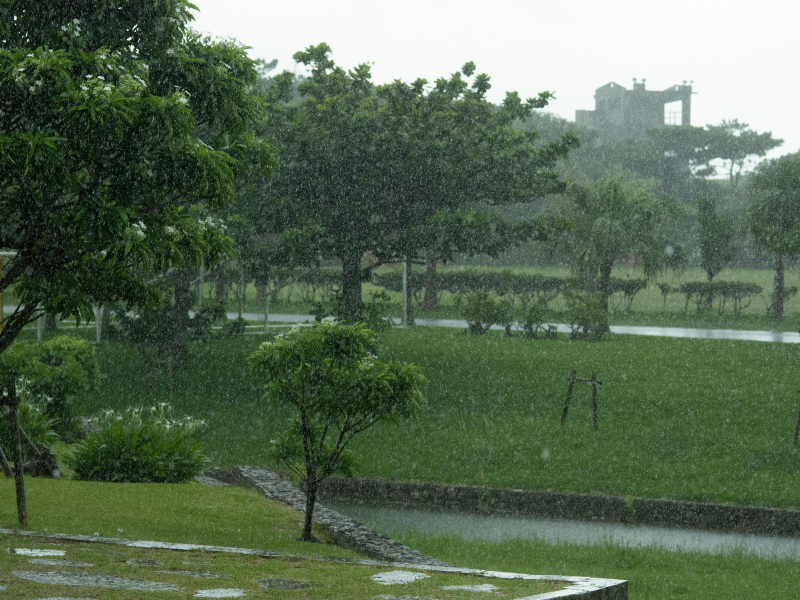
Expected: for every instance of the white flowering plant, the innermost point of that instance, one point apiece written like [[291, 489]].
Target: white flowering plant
[[140, 445]]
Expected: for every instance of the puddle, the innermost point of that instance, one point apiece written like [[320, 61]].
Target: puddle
[[395, 577], [196, 574], [392, 597], [495, 528], [33, 552], [53, 562], [220, 593], [284, 584], [94, 580], [484, 587], [144, 562]]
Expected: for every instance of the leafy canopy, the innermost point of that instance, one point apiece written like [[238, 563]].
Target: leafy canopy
[[115, 120]]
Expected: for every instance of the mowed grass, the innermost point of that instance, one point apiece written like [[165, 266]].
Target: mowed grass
[[195, 514], [324, 580], [652, 573], [188, 513], [705, 420]]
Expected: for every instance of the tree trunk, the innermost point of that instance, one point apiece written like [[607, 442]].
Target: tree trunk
[[710, 297], [19, 478], [180, 316], [221, 286], [311, 499], [431, 299], [604, 284], [777, 293], [261, 294], [351, 287], [50, 323]]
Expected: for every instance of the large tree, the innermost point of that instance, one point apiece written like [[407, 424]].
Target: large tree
[[115, 120], [370, 167], [775, 216]]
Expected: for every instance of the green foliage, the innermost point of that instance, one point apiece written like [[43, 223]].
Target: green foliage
[[374, 314], [140, 445], [586, 316], [336, 389], [34, 422], [233, 327], [717, 236], [705, 292], [54, 375], [105, 108], [534, 315], [614, 218], [381, 169], [480, 310]]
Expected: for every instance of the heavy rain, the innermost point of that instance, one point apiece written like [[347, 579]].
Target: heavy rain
[[399, 300]]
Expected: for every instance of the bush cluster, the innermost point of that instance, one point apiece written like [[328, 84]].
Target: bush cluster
[[140, 445], [738, 293]]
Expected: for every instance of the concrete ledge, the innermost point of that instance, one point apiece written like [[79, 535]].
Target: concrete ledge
[[470, 499]]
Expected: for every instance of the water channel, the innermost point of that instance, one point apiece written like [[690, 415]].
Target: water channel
[[395, 521]]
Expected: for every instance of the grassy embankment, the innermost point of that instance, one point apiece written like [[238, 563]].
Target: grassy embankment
[[192, 513], [652, 573], [701, 420], [694, 419]]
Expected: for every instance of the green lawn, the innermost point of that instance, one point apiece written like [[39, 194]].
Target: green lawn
[[188, 513], [702, 420], [195, 514], [652, 573]]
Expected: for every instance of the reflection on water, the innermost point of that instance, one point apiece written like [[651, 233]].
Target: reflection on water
[[396, 521]]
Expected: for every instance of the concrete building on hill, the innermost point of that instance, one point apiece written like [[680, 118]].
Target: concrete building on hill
[[620, 113]]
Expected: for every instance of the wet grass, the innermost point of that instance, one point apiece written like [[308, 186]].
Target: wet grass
[[706, 420], [326, 580], [652, 573], [188, 513]]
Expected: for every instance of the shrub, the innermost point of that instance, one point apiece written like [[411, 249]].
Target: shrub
[[585, 316], [233, 327], [480, 311], [32, 420], [54, 374], [534, 315], [140, 446]]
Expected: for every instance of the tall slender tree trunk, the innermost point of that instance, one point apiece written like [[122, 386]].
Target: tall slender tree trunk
[[261, 294], [604, 283], [351, 287], [19, 477], [221, 286], [311, 499], [50, 323], [777, 293], [431, 299], [180, 316]]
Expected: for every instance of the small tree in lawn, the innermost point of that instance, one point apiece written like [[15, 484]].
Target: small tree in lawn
[[338, 388]]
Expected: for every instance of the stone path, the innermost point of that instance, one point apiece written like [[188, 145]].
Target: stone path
[[582, 587], [341, 529]]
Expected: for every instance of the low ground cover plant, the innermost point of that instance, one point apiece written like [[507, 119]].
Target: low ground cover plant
[[140, 445]]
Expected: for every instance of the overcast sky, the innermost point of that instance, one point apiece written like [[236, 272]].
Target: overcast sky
[[741, 56]]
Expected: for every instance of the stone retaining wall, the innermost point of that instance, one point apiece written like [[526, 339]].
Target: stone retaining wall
[[470, 499]]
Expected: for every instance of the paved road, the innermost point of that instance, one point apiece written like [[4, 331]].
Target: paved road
[[788, 337]]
